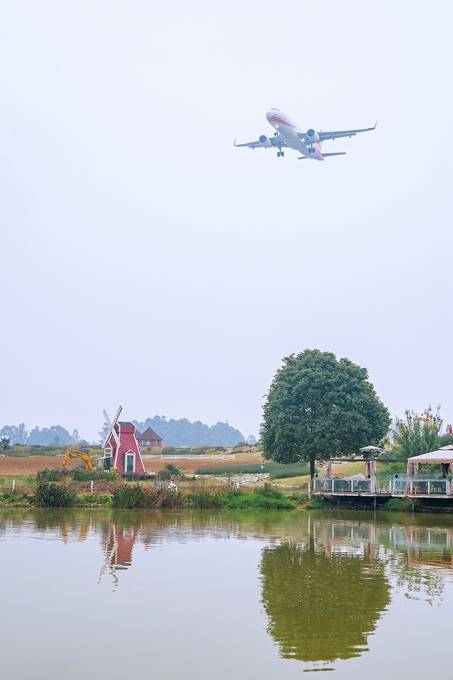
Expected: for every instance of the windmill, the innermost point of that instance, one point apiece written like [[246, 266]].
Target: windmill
[[121, 448]]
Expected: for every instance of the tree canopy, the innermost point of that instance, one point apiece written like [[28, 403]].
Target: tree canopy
[[417, 433], [318, 407], [56, 435]]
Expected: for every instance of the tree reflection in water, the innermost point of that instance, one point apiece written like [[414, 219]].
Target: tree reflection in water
[[321, 607], [326, 579]]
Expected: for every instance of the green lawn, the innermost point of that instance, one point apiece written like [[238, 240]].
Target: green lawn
[[275, 470]]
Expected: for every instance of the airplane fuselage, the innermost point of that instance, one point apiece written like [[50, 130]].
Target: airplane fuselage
[[291, 135]]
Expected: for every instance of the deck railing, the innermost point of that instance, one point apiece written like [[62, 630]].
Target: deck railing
[[399, 486], [429, 487]]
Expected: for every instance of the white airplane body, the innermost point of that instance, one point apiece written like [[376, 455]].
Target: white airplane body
[[288, 135]]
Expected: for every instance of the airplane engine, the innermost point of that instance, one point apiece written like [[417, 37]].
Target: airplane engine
[[312, 136], [265, 141]]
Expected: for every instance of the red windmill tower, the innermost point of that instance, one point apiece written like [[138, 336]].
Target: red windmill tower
[[121, 449]]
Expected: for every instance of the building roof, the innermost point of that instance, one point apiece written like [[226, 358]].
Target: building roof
[[443, 455], [149, 434], [371, 448], [126, 426]]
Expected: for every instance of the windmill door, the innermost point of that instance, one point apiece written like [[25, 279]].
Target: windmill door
[[130, 463]]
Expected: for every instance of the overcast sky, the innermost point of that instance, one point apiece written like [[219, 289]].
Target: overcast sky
[[145, 261]]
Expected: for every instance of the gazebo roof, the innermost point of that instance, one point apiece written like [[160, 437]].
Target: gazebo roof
[[443, 455]]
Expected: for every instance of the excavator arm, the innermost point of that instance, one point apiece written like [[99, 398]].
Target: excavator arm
[[80, 455]]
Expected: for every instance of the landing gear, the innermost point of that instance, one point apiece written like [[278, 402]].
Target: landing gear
[[280, 153]]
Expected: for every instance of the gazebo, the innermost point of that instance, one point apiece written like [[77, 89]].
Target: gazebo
[[370, 453], [356, 483], [442, 457]]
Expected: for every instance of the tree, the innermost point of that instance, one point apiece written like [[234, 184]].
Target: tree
[[104, 432], [17, 434], [416, 434], [50, 436], [318, 407], [4, 443]]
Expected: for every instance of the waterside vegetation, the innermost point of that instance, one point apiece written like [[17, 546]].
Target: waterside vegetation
[[126, 495]]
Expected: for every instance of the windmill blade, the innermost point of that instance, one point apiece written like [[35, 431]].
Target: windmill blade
[[107, 419], [111, 425], [117, 415]]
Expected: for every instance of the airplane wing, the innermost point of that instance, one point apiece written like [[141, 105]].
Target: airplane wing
[[275, 141], [336, 134]]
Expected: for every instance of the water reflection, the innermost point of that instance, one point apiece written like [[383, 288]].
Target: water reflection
[[322, 605], [326, 581]]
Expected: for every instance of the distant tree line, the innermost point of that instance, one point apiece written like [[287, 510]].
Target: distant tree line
[[56, 435], [182, 432], [178, 433]]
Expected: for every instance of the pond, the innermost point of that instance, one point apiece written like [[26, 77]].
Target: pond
[[132, 594]]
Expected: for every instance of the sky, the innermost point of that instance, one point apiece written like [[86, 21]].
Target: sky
[[148, 262]]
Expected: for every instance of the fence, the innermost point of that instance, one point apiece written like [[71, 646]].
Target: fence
[[387, 487], [428, 487]]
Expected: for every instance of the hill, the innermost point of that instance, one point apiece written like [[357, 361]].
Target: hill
[[182, 432]]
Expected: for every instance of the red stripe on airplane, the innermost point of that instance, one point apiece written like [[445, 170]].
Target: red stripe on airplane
[[282, 121]]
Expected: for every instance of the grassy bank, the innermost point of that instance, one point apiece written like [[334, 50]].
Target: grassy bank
[[124, 495]]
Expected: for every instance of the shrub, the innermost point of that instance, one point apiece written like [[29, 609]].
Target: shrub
[[398, 505], [204, 500], [87, 499], [51, 495], [298, 498], [14, 499], [84, 475], [173, 470], [168, 472], [52, 475], [130, 497], [139, 497]]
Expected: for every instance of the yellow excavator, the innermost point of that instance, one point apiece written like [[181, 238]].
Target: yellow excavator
[[80, 455]]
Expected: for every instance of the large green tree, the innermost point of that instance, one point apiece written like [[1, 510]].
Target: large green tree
[[319, 406]]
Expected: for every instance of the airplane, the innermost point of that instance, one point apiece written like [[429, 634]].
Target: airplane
[[288, 135]]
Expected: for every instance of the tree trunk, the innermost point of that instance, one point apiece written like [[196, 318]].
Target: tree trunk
[[312, 469]]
